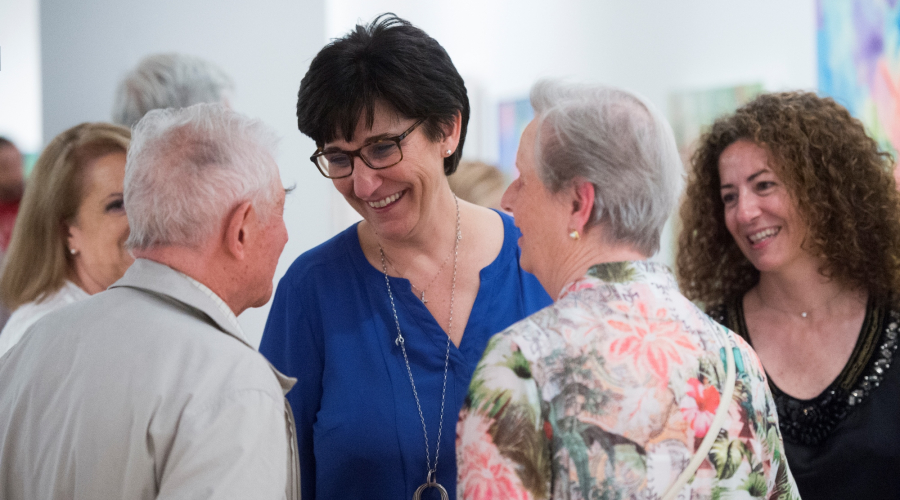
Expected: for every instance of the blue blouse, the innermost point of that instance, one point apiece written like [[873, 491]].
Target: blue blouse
[[331, 327]]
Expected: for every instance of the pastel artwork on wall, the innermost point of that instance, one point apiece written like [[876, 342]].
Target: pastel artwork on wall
[[514, 116], [859, 62]]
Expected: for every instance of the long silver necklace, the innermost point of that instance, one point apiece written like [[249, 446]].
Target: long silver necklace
[[430, 479]]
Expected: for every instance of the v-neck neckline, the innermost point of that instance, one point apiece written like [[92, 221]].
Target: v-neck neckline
[[406, 299]]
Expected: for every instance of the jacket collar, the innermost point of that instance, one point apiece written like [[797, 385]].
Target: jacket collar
[[160, 279]]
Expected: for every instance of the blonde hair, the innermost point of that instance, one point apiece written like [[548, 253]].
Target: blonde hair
[[38, 263], [478, 183]]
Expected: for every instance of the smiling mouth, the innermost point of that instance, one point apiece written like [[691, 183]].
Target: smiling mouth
[[386, 201], [763, 235]]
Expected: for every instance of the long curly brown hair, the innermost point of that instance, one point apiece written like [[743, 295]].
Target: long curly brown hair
[[837, 176]]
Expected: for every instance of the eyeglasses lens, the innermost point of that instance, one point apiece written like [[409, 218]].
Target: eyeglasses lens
[[381, 154]]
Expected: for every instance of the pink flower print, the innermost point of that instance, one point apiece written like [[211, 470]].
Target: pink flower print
[[699, 406], [653, 343], [484, 473], [579, 284]]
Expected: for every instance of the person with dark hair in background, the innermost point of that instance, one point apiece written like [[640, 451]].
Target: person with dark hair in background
[[384, 323], [12, 185], [791, 238]]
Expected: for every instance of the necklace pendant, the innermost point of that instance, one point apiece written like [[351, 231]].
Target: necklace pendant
[[423, 297], [431, 484]]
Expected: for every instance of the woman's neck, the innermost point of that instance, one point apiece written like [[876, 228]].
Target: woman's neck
[[587, 252], [800, 290]]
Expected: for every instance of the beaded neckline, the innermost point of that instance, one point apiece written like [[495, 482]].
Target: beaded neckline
[[812, 421]]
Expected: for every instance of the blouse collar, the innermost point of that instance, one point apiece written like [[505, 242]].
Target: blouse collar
[[622, 273]]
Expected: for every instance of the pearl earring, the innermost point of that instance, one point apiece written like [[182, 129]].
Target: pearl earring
[[449, 152], [574, 235], [73, 251]]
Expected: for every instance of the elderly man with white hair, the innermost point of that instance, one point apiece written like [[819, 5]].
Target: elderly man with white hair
[[150, 389]]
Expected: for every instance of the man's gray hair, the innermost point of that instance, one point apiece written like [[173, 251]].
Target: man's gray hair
[[168, 81], [618, 142], [188, 168]]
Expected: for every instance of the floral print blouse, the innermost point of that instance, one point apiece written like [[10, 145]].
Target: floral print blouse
[[607, 394]]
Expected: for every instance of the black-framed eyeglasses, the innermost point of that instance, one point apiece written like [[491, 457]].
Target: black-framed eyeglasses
[[382, 153]]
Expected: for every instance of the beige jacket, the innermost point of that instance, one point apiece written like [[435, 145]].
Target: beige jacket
[[143, 391]]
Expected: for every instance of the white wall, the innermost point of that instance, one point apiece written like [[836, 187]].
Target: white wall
[[265, 45], [20, 74], [501, 47]]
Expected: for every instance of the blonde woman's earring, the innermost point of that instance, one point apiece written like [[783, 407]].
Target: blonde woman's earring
[[574, 235]]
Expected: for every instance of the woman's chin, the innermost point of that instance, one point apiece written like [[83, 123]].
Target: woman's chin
[[389, 230], [768, 265]]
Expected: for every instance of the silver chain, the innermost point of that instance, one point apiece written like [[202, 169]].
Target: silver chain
[[401, 342], [422, 290]]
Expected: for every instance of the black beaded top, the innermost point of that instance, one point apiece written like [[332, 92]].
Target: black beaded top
[[811, 421]]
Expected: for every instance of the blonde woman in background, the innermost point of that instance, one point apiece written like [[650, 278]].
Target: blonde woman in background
[[68, 242], [478, 183]]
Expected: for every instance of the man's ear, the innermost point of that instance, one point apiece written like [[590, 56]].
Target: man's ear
[[582, 200], [237, 227]]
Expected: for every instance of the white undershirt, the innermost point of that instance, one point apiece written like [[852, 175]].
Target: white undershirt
[[27, 314]]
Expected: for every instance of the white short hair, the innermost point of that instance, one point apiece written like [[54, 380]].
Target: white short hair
[[618, 142], [168, 81], [188, 168]]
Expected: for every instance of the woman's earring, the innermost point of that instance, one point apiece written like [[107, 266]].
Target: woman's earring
[[73, 251], [449, 152], [574, 235]]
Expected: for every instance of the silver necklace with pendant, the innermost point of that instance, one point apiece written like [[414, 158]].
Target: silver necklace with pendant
[[430, 477]]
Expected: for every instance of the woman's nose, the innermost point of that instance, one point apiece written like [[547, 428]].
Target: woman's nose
[[507, 201], [747, 208], [365, 180]]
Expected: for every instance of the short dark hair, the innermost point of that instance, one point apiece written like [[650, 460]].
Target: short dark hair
[[388, 61]]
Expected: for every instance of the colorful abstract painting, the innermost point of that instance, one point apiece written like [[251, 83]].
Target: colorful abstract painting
[[513, 117], [692, 112], [859, 62]]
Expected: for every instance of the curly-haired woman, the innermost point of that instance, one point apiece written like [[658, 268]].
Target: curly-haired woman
[[792, 239]]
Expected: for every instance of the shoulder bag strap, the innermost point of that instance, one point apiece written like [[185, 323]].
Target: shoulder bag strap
[[713, 432]]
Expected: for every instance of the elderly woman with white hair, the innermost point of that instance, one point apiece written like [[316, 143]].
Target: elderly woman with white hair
[[170, 80], [622, 388]]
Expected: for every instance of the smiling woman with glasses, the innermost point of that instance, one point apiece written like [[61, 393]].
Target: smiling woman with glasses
[[378, 154], [383, 324]]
